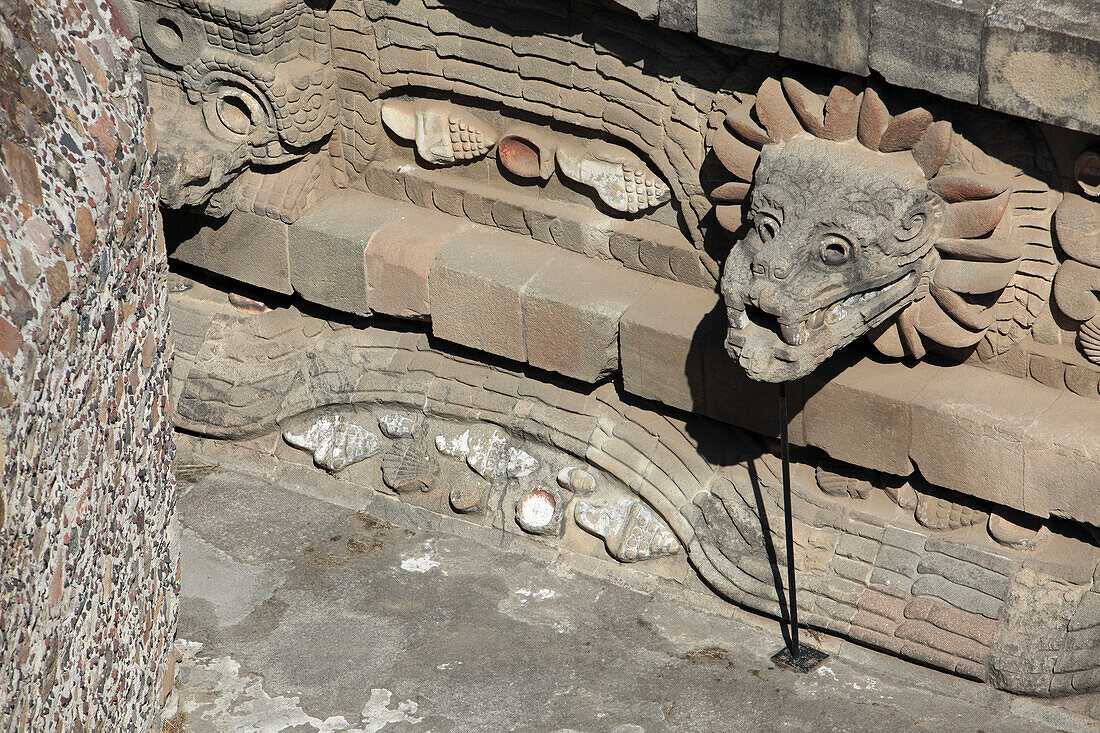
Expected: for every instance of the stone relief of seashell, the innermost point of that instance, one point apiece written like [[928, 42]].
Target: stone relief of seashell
[[487, 451], [1088, 339], [540, 511], [630, 529], [469, 494], [409, 466], [527, 153], [443, 134], [335, 442], [620, 178]]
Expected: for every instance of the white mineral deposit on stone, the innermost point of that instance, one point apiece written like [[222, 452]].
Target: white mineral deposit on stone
[[535, 512], [541, 594], [456, 447], [335, 442], [491, 456], [486, 451], [520, 463], [227, 700], [630, 529], [422, 563], [399, 425]]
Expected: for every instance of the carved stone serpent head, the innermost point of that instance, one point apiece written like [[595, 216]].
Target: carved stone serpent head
[[842, 215]]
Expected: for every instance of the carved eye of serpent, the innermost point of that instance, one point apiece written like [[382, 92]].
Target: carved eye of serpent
[[238, 111], [835, 249], [766, 226]]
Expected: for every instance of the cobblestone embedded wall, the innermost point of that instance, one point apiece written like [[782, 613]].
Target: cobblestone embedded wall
[[87, 572]]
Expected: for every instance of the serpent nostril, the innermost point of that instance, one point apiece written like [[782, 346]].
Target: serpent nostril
[[779, 272], [758, 268]]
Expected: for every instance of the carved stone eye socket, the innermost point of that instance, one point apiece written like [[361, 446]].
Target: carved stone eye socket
[[835, 249], [766, 226], [234, 113]]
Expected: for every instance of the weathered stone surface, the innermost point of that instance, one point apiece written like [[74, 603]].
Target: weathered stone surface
[[398, 259], [929, 44], [826, 32], [1062, 460], [477, 285], [968, 432], [678, 15], [244, 246], [660, 340], [571, 312], [89, 547], [860, 414], [328, 246], [1042, 61], [753, 25]]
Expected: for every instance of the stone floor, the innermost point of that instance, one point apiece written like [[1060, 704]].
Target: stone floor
[[299, 615]]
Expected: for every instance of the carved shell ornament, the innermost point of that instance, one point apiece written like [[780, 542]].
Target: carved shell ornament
[[851, 222], [443, 134]]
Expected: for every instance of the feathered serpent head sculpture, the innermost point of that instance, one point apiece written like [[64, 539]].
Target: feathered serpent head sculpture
[[850, 222]]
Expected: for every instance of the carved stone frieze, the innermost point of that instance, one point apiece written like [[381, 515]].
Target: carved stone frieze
[[566, 188]]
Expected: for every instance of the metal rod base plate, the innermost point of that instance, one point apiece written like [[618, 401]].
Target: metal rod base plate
[[808, 659]]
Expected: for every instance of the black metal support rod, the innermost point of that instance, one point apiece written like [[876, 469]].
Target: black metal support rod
[[788, 520]]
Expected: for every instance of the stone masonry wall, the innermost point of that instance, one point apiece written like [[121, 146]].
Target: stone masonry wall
[[88, 575]]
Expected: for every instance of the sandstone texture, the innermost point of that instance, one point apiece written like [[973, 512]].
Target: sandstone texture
[[88, 554]]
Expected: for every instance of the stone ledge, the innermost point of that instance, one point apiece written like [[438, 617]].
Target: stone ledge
[[1037, 61], [989, 435]]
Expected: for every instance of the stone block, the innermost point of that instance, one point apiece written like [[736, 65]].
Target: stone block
[[327, 247], [832, 33], [1062, 461], [672, 350], [660, 341], [734, 398], [859, 412], [752, 24], [677, 15], [968, 432], [929, 44], [571, 312], [645, 9], [246, 247], [476, 287], [1042, 60], [398, 259]]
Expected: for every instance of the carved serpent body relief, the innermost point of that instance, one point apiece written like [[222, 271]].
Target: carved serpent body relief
[[851, 222]]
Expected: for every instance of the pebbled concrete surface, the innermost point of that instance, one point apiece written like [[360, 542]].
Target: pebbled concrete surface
[[301, 616]]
